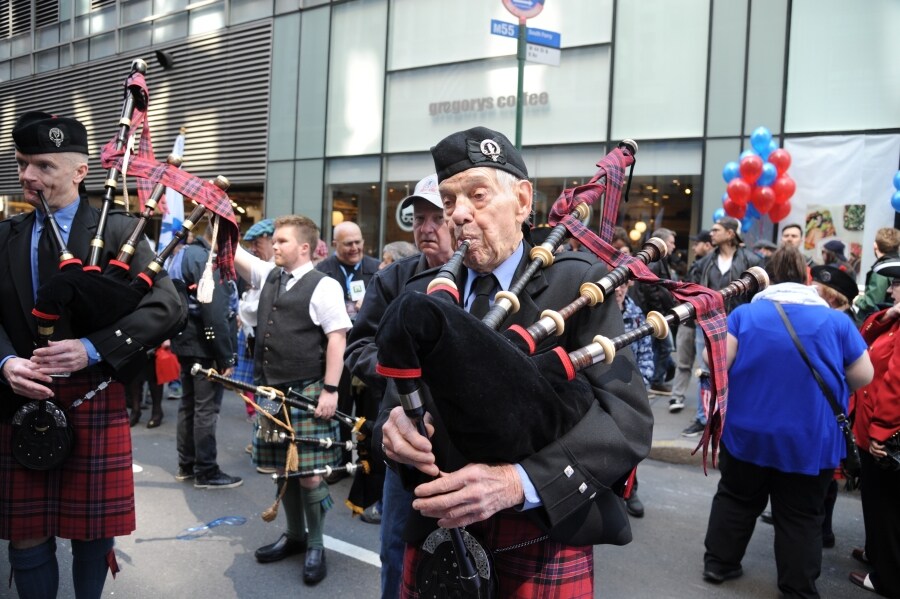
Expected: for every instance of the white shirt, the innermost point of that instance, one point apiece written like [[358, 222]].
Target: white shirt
[[326, 305]]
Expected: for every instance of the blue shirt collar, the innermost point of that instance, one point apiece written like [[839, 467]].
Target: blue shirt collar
[[504, 273]]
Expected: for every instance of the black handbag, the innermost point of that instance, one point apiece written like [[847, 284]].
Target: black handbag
[[891, 461], [851, 465], [42, 437]]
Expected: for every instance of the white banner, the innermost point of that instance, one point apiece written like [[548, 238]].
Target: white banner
[[173, 215]]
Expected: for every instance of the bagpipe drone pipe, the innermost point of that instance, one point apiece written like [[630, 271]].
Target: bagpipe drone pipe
[[90, 298]]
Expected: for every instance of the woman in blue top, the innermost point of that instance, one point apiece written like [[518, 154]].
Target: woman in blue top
[[781, 439]]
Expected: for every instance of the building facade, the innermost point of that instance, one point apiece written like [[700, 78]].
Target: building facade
[[329, 108]]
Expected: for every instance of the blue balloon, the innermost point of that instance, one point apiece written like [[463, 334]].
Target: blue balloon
[[747, 223], [724, 197], [760, 139], [897, 180], [773, 145], [895, 201], [732, 169], [768, 175], [746, 153], [752, 211], [718, 215]]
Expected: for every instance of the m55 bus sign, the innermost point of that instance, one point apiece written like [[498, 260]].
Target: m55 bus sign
[[541, 37]]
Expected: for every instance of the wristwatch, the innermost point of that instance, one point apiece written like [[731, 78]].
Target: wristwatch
[[329, 388]]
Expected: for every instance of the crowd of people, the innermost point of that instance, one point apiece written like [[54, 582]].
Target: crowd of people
[[308, 324]]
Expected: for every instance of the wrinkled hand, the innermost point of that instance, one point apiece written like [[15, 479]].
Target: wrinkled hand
[[24, 378], [471, 494], [405, 445], [60, 357], [327, 405], [876, 449], [228, 371]]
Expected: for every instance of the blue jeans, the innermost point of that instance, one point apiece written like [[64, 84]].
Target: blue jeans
[[198, 415], [396, 507], [662, 358]]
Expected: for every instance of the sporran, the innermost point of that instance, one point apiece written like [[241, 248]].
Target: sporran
[[42, 436]]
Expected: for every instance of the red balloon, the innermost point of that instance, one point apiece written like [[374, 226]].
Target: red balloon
[[780, 211], [734, 209], [751, 168], [763, 198], [739, 191], [784, 187], [781, 160]]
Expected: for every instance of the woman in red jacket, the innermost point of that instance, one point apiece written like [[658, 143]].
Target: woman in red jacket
[[877, 419]]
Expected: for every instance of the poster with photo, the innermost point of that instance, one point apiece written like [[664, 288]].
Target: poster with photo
[[844, 223]]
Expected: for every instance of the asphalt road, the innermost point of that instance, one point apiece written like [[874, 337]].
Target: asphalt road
[[664, 560]]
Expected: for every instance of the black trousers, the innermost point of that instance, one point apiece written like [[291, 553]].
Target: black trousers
[[798, 509], [880, 492]]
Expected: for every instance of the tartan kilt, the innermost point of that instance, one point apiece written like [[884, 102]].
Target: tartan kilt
[[544, 570], [272, 455], [91, 496], [243, 370]]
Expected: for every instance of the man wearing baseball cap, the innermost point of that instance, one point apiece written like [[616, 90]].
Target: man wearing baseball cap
[[728, 260], [432, 238], [546, 511]]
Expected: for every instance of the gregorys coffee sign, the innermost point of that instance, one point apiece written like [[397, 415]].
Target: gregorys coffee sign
[[486, 103]]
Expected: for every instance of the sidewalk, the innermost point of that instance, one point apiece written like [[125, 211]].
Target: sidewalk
[[668, 444]]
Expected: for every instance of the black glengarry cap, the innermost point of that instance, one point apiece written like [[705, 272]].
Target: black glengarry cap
[[476, 147], [44, 133]]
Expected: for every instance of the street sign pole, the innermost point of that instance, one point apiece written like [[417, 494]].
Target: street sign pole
[[520, 92]]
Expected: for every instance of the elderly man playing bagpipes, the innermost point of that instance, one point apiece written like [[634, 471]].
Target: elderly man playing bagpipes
[[88, 497], [538, 516]]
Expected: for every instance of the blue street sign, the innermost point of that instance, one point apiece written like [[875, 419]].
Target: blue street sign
[[540, 37]]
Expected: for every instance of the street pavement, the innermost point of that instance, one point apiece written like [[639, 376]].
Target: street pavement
[[664, 560]]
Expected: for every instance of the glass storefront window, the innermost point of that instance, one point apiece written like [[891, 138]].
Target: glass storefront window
[[135, 10], [103, 45], [161, 7], [46, 37], [398, 227], [21, 67], [243, 11], [138, 36], [360, 203], [170, 28]]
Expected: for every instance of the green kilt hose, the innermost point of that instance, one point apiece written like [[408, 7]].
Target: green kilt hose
[[91, 496], [545, 569], [273, 455]]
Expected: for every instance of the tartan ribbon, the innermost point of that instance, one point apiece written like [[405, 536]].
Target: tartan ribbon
[[708, 305], [148, 172], [612, 166]]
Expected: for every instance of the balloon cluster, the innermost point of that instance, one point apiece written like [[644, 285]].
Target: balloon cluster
[[758, 183], [895, 199]]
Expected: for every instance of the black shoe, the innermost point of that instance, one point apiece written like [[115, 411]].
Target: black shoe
[[828, 540], [371, 515], [694, 429], [766, 517], [634, 506], [335, 476], [184, 474], [859, 554], [863, 581], [219, 480], [280, 549], [314, 569], [676, 404], [134, 418], [720, 577]]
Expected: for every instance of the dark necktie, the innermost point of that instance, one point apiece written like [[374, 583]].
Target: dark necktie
[[48, 255], [285, 277], [483, 288]]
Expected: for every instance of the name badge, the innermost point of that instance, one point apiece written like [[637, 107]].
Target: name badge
[[357, 290]]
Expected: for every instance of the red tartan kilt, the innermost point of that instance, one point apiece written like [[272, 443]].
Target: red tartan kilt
[[92, 495], [547, 569]]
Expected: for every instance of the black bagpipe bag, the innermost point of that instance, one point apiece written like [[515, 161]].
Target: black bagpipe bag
[[497, 403]]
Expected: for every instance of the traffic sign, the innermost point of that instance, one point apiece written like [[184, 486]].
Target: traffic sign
[[524, 9], [540, 37], [542, 55]]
